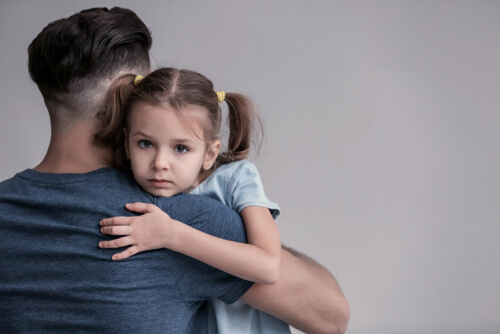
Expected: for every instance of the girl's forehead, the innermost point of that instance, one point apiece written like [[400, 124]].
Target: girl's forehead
[[191, 117]]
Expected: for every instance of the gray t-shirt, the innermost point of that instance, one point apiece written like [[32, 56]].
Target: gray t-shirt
[[54, 277]]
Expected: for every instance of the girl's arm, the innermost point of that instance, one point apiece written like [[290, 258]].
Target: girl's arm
[[257, 261]]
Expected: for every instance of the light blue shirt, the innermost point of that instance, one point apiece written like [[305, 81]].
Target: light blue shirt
[[238, 186]]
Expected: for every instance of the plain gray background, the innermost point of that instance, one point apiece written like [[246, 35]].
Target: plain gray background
[[382, 122]]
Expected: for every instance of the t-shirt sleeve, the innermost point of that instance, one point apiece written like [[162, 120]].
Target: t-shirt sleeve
[[246, 189], [196, 280]]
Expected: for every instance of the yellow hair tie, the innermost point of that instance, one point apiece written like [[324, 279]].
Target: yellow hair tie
[[138, 79], [220, 96]]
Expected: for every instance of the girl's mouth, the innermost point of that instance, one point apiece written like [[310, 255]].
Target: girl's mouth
[[160, 183]]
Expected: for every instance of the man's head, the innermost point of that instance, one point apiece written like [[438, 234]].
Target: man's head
[[74, 60]]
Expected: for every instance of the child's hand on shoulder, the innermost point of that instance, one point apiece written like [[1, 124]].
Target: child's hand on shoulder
[[153, 229]]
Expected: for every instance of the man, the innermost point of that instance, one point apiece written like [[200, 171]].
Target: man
[[54, 278]]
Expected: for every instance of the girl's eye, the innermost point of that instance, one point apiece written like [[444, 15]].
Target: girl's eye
[[145, 144], [181, 149]]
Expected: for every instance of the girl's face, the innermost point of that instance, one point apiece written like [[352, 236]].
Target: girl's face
[[166, 154]]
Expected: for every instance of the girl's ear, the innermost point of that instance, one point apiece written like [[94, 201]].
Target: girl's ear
[[211, 154], [127, 150]]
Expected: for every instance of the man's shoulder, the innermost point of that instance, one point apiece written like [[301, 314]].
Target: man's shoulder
[[104, 183], [204, 214], [196, 204], [13, 179], [5, 184]]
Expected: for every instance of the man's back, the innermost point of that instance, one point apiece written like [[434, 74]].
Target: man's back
[[53, 276]]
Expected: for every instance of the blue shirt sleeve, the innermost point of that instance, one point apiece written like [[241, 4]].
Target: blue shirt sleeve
[[245, 189]]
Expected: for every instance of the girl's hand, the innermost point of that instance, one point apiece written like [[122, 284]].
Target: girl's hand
[[152, 230]]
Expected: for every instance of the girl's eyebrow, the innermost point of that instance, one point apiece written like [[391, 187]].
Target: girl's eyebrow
[[177, 140], [182, 140], [139, 133]]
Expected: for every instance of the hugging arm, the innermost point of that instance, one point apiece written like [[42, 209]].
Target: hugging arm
[[257, 261], [306, 296]]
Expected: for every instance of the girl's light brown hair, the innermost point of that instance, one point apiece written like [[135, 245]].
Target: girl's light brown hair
[[178, 89]]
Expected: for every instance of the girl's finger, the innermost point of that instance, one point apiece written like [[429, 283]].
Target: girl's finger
[[140, 207], [116, 243], [116, 221], [116, 230], [132, 250]]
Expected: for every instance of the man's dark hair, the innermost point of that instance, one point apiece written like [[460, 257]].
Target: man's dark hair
[[71, 56]]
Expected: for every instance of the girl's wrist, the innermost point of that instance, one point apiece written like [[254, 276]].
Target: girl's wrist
[[174, 235]]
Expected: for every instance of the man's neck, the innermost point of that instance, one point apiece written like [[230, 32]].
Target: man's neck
[[75, 151]]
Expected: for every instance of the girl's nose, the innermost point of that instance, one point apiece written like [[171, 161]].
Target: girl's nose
[[161, 161]]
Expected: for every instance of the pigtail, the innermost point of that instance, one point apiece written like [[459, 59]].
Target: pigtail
[[112, 118], [242, 119]]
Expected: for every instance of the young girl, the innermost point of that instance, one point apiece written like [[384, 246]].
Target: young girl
[[166, 128]]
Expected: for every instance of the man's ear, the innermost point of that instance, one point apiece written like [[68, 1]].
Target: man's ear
[[125, 136], [211, 154]]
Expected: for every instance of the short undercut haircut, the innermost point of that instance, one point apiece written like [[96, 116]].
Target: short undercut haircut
[[72, 56]]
